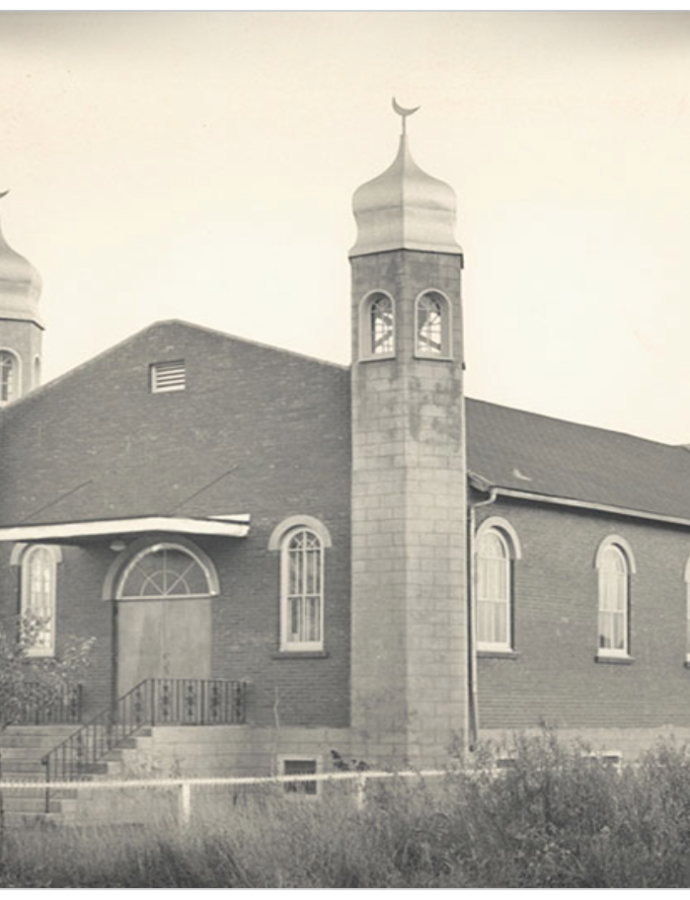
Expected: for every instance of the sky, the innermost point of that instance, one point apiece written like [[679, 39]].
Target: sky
[[201, 166]]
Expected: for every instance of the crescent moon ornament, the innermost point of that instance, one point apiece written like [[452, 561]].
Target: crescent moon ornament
[[403, 112], [4, 193]]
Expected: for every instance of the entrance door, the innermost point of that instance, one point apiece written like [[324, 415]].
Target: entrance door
[[164, 615], [162, 639]]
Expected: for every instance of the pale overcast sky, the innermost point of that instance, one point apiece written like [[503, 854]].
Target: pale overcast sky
[[201, 166]]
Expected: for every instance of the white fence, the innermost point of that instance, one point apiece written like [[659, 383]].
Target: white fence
[[186, 786]]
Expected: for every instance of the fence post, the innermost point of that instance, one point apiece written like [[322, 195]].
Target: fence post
[[360, 791], [184, 805]]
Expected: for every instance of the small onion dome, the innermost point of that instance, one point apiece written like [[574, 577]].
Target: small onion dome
[[404, 208], [20, 286]]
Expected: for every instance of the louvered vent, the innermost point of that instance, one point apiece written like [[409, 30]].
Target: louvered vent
[[168, 376]]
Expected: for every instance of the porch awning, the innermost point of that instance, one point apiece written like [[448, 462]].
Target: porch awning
[[234, 526]]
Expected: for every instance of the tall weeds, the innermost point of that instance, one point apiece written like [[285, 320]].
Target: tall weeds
[[556, 818]]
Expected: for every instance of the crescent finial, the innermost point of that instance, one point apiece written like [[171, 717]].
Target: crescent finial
[[4, 193], [403, 112]]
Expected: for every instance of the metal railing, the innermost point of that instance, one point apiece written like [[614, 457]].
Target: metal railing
[[154, 701], [38, 703]]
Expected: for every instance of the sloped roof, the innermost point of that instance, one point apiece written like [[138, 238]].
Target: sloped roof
[[524, 451]]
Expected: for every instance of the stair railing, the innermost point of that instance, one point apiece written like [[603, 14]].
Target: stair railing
[[154, 701]]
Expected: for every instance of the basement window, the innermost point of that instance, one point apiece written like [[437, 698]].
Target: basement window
[[168, 376], [300, 766]]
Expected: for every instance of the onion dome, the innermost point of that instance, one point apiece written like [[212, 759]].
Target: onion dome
[[404, 208], [20, 286]]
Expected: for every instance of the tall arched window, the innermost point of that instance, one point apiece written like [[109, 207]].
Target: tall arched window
[[38, 582], [496, 548], [166, 571], [9, 377], [432, 325], [614, 562], [378, 325], [301, 590], [493, 591]]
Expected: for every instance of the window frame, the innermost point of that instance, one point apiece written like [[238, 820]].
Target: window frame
[[286, 644], [26, 606], [624, 552], [446, 350], [15, 376], [366, 331], [290, 789], [510, 541], [194, 553], [175, 367], [276, 543]]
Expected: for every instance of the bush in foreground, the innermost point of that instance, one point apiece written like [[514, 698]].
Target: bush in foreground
[[557, 818]]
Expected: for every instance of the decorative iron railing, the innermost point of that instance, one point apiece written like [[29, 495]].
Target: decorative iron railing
[[155, 701], [37, 703]]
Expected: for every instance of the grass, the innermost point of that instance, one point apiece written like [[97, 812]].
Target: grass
[[555, 819]]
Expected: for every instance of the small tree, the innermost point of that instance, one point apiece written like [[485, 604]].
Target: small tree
[[20, 673]]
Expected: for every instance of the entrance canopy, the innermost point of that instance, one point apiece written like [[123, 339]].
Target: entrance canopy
[[233, 526]]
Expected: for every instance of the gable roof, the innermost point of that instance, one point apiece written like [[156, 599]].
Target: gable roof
[[535, 454], [97, 444]]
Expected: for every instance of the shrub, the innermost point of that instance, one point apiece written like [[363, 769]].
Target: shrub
[[555, 818]]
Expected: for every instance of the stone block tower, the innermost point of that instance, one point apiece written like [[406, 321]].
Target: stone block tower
[[409, 582], [21, 328]]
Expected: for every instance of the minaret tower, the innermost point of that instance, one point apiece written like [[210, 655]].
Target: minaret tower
[[20, 324], [409, 584]]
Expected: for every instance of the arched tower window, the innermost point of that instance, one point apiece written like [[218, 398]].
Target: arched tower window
[[615, 563], [377, 327], [9, 377], [432, 325], [38, 582], [166, 571], [37, 371]]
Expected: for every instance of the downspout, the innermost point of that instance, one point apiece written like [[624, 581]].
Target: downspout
[[481, 485]]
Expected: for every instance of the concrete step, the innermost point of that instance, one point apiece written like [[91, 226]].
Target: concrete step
[[38, 821], [11, 767], [35, 804]]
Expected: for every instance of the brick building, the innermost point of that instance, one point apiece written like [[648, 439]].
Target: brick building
[[367, 561]]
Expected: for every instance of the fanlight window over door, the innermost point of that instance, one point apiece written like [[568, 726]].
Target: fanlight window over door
[[165, 571]]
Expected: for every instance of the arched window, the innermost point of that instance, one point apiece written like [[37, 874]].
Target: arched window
[[166, 571], [432, 325], [9, 377], [496, 547], [378, 326], [37, 371], [615, 563], [38, 582], [301, 591]]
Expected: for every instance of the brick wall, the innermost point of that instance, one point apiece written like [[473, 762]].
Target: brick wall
[[273, 429], [555, 678]]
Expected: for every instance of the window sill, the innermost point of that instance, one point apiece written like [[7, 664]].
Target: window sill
[[432, 358], [300, 654], [381, 358], [614, 660], [498, 654]]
